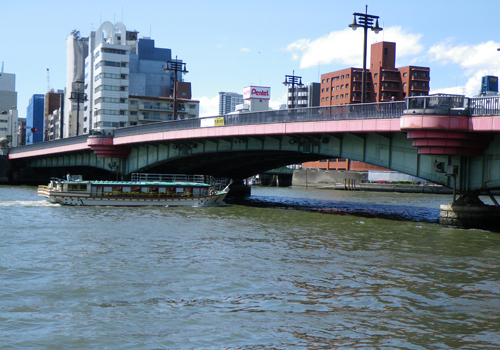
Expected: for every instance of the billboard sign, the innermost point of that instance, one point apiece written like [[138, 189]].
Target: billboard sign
[[257, 93]]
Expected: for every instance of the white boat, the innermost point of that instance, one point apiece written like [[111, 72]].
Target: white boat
[[142, 190]]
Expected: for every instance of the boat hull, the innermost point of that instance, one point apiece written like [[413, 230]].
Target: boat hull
[[82, 199]]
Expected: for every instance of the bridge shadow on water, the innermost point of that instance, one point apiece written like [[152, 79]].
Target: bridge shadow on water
[[366, 210]]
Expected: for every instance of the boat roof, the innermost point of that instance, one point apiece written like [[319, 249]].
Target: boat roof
[[136, 183], [139, 179]]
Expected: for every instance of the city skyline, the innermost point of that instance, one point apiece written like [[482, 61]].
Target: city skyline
[[225, 52]]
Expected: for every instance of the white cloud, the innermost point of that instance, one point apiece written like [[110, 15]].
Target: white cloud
[[245, 49], [209, 107], [346, 46], [475, 60]]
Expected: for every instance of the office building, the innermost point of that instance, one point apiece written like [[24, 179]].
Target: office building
[[34, 119], [301, 96], [384, 82], [228, 102]]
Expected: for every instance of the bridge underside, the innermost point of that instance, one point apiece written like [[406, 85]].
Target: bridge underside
[[240, 157]]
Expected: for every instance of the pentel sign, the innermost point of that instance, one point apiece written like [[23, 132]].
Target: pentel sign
[[257, 93]]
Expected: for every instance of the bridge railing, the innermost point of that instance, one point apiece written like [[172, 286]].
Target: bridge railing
[[484, 106], [310, 114], [49, 144], [346, 112], [437, 104], [453, 105]]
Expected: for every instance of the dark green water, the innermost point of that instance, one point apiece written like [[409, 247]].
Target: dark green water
[[286, 269]]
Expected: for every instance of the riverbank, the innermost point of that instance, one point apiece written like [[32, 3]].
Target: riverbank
[[386, 187], [358, 181]]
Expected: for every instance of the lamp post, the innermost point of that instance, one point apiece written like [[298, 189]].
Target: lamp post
[[294, 80], [175, 66], [365, 21], [78, 95]]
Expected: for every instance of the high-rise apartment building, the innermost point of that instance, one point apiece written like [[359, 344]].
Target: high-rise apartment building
[[228, 102], [304, 95], [384, 82]]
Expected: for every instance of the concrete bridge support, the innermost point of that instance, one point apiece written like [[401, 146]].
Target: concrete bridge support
[[474, 215]]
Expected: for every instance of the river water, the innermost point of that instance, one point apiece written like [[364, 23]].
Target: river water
[[285, 269]]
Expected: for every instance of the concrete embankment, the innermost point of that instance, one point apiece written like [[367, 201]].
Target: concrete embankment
[[352, 180]]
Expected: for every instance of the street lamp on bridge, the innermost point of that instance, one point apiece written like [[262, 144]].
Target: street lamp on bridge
[[365, 21], [294, 80], [78, 95], [175, 66]]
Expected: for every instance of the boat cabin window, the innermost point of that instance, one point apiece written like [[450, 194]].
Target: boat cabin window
[[77, 187]]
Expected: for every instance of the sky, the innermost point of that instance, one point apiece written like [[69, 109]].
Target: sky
[[228, 45]]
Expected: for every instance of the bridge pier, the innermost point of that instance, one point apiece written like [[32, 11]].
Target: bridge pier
[[4, 168], [469, 212], [238, 189]]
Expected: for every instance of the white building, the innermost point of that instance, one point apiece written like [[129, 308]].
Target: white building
[[107, 79]]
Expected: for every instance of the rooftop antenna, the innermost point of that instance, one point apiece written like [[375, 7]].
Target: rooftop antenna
[[48, 80]]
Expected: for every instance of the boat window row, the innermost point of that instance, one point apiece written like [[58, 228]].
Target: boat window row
[[150, 191]]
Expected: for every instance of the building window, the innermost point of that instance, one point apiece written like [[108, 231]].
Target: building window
[[322, 90], [327, 89], [323, 81], [347, 76], [328, 80], [346, 95], [405, 74], [327, 98], [341, 86], [134, 102], [347, 86], [375, 85], [342, 77], [375, 75]]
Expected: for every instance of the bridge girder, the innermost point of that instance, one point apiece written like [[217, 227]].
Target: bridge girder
[[242, 156]]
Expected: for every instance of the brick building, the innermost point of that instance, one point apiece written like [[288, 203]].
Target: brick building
[[384, 82]]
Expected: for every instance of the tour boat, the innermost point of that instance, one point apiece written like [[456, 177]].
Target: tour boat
[[142, 190]]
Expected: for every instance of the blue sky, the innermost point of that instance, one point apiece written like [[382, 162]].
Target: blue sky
[[228, 45]]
